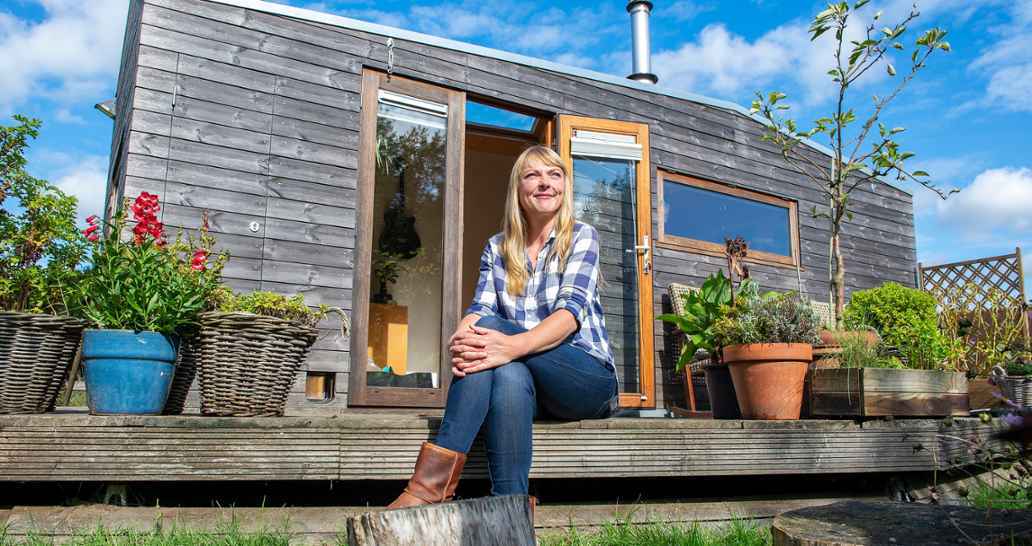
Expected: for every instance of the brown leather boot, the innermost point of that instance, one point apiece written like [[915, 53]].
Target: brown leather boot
[[435, 478]]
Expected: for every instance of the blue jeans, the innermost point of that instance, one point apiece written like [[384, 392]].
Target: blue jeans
[[566, 382]]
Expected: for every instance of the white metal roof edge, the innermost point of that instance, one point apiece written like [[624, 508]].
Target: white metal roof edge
[[465, 47]]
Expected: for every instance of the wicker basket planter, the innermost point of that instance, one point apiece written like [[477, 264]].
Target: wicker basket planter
[[187, 356], [36, 352], [249, 362], [1016, 388]]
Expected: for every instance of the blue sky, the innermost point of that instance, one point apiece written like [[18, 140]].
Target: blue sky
[[967, 116]]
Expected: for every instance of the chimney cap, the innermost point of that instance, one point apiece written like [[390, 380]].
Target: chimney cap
[[631, 4]]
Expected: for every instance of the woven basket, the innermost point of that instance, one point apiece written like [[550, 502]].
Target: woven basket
[[36, 352], [1016, 388], [249, 362], [186, 369]]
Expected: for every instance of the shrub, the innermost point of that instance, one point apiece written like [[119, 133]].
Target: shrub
[[40, 245], [770, 318], [905, 318]]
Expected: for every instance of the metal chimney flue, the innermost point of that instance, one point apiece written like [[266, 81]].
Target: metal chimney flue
[[641, 49]]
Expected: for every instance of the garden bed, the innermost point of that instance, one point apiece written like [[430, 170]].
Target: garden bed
[[883, 392]]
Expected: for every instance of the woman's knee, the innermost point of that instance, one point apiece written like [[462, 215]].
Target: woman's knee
[[494, 322], [512, 384]]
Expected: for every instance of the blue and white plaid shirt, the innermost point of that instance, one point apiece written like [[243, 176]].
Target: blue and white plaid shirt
[[574, 288]]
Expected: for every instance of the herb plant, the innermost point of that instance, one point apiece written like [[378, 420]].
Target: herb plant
[[768, 318], [271, 304]]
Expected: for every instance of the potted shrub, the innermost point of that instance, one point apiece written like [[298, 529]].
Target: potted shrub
[[141, 295], [40, 247], [702, 309], [251, 349], [767, 345]]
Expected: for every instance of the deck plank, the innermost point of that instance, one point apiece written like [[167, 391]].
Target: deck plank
[[381, 446]]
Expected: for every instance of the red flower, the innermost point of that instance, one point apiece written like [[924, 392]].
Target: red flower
[[91, 230], [199, 260], [145, 212]]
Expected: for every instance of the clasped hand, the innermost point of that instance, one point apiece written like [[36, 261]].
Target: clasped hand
[[475, 349]]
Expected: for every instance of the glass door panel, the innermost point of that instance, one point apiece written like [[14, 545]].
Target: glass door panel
[[604, 196], [405, 295]]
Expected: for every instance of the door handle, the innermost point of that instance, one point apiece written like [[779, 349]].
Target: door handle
[[644, 250]]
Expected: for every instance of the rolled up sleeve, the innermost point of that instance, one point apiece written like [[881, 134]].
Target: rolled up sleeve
[[580, 275], [485, 300]]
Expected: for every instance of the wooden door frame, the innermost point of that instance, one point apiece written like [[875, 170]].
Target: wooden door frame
[[359, 393], [646, 397]]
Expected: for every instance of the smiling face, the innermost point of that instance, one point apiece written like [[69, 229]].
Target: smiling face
[[541, 188]]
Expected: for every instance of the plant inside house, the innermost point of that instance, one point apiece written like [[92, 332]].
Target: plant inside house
[[141, 295], [40, 247], [251, 349], [767, 345]]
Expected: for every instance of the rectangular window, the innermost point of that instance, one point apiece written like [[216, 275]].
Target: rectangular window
[[698, 215]]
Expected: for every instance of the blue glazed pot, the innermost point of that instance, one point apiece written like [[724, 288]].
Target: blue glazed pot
[[127, 372]]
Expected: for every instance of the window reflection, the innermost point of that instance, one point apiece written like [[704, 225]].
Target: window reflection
[[705, 215], [408, 208]]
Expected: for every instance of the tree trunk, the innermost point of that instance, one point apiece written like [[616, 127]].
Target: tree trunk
[[838, 276], [862, 523], [488, 520]]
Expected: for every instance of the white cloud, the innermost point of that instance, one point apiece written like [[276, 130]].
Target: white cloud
[[996, 199], [87, 181], [74, 50], [683, 10], [724, 63], [1007, 64]]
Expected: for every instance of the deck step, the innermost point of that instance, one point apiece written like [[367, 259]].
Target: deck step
[[317, 525]]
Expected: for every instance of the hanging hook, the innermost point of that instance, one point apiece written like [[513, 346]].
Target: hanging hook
[[390, 57]]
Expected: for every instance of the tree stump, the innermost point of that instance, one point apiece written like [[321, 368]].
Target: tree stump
[[856, 523], [487, 520]]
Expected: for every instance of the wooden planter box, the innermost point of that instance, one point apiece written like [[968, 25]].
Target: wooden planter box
[[879, 392]]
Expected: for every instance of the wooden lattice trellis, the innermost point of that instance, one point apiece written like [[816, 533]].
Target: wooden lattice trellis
[[969, 284]]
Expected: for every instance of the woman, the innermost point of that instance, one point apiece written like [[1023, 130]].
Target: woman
[[533, 337]]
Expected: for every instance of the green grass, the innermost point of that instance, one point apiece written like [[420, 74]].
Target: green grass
[[1001, 495], [736, 533], [224, 535]]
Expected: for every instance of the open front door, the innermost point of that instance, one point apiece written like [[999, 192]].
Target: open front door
[[609, 161]]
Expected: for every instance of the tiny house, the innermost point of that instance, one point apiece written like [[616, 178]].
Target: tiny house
[[365, 167]]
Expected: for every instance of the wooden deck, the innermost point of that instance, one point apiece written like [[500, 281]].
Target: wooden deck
[[383, 446]]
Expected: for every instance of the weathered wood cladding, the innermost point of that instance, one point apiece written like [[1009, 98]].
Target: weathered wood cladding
[[264, 130]]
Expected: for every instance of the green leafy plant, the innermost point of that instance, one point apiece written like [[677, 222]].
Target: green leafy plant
[[768, 318], [145, 283], [858, 352], [702, 309], [271, 304], [856, 160], [40, 245], [905, 318]]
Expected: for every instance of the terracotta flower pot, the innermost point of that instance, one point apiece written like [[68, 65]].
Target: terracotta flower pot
[[768, 378]]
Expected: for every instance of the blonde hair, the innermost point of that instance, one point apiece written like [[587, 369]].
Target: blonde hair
[[514, 224]]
